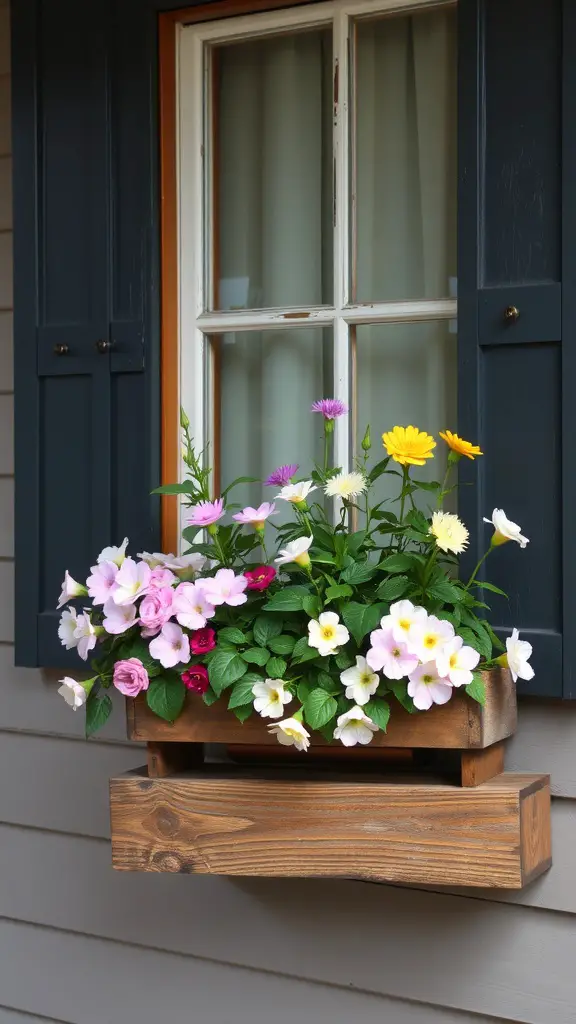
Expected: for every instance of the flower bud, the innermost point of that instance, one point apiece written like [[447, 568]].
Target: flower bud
[[184, 421], [366, 442]]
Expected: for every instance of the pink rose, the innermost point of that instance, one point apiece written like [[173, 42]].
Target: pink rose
[[130, 677], [162, 578], [155, 610]]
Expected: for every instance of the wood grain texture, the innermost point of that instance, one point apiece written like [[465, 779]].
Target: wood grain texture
[[276, 824], [168, 758], [477, 766], [535, 833], [459, 724]]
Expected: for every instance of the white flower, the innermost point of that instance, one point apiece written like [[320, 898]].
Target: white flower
[[389, 655], [70, 588], [270, 698], [517, 654], [455, 662], [114, 554], [67, 627], [450, 532], [296, 492], [156, 558], [327, 633], [354, 727], [295, 551], [403, 615], [132, 581], [118, 617], [505, 529], [74, 693], [85, 634], [360, 681], [426, 687], [185, 565], [291, 733], [427, 639], [345, 485]]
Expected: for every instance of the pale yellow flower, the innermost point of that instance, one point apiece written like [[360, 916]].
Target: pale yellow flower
[[409, 446], [345, 485], [450, 532]]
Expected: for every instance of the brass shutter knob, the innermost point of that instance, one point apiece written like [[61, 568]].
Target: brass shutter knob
[[511, 314], [103, 346], [61, 350]]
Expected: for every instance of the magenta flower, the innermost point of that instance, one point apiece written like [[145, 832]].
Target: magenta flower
[[130, 677], [260, 578], [331, 408], [225, 588], [207, 512], [171, 646], [196, 679], [256, 516], [202, 641], [282, 476]]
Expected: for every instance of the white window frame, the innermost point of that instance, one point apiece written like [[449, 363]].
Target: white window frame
[[194, 181]]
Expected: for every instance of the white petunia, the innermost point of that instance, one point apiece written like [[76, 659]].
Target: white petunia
[[505, 529], [360, 681], [114, 554], [67, 627], [70, 589], [118, 617], [85, 634], [74, 693], [354, 727], [426, 687], [327, 633], [295, 551], [291, 733], [345, 485], [455, 662], [517, 654], [132, 581], [270, 698], [403, 615], [427, 639], [296, 493], [185, 566]]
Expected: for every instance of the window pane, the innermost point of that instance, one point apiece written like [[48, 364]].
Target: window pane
[[404, 220], [273, 170], [264, 384], [405, 374]]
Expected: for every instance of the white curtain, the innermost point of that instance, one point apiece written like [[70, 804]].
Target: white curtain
[[274, 188]]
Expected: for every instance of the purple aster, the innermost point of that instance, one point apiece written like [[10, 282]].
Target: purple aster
[[330, 408], [282, 476]]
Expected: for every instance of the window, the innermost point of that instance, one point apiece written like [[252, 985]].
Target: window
[[316, 210]]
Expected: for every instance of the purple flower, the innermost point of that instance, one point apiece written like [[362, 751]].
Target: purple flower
[[130, 677], [282, 476], [331, 408], [207, 512]]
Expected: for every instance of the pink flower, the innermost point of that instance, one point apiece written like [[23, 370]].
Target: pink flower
[[282, 476], [202, 641], [389, 656], [130, 677], [191, 606], [196, 679], [207, 512], [161, 578], [102, 581], [260, 578], [171, 646], [132, 581], [225, 588], [155, 610], [426, 687], [118, 617], [256, 516], [85, 634], [330, 408]]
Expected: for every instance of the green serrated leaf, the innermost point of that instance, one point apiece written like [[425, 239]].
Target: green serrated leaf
[[393, 588], [338, 590], [289, 599], [303, 652], [379, 712], [483, 585], [378, 469], [266, 627], [319, 708], [476, 689], [443, 590], [243, 712], [165, 697], [399, 688], [344, 659], [397, 563], [256, 655], [283, 644], [275, 668], [358, 572], [98, 711], [304, 690], [311, 605], [241, 693], [225, 668], [328, 683], [209, 697], [232, 635], [361, 619], [472, 639]]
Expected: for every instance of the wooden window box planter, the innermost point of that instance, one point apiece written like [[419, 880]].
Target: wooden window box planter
[[334, 812]]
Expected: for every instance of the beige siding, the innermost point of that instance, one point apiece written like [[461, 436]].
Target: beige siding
[[81, 944]]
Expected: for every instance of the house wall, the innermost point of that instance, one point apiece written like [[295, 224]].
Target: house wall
[[80, 943]]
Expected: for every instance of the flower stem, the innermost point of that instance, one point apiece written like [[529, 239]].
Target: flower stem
[[474, 574]]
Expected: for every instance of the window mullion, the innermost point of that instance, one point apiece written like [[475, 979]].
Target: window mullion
[[341, 234]]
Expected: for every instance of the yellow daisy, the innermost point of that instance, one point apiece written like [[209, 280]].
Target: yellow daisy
[[409, 446], [458, 445]]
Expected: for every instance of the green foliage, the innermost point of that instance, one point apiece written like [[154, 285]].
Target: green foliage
[[98, 711], [256, 655], [165, 696], [265, 628], [379, 712], [476, 689], [224, 669], [361, 619], [283, 644], [319, 708], [276, 668], [232, 635], [393, 588], [241, 692], [289, 599]]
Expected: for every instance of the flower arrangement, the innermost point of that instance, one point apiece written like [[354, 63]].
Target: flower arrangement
[[325, 632]]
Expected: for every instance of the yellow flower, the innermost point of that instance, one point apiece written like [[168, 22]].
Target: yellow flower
[[460, 446], [409, 446], [450, 532]]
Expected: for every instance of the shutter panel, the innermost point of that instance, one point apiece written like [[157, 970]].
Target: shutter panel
[[83, 419], [511, 373]]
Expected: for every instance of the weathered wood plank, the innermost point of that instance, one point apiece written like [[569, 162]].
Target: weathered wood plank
[[272, 824], [169, 758], [478, 766]]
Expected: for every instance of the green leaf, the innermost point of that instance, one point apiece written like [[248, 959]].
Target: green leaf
[[311, 605], [98, 711], [425, 485], [443, 590], [265, 627], [476, 689], [224, 669], [319, 708], [344, 659], [242, 692], [283, 644], [232, 635], [418, 521], [304, 690], [379, 712], [378, 469], [396, 563], [209, 697], [399, 688], [359, 572], [355, 542], [322, 557], [240, 480], [328, 683], [361, 619], [483, 585], [289, 599], [276, 668], [165, 697], [185, 488], [303, 652], [243, 712], [393, 588], [139, 649], [256, 655], [337, 590], [480, 643]]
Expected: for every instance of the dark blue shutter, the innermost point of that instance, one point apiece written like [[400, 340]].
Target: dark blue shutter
[[516, 377], [86, 407]]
